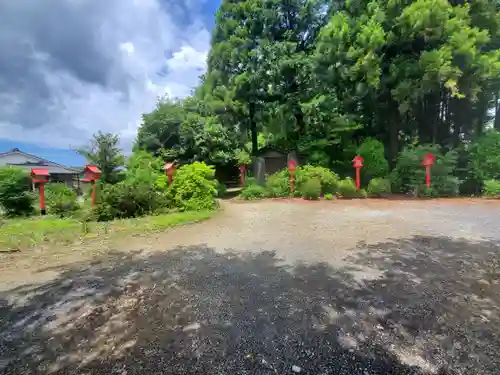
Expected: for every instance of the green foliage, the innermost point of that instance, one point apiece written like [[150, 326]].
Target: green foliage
[[243, 158], [491, 188], [362, 193], [378, 187], [318, 77], [278, 184], [485, 156], [187, 131], [104, 151], [221, 189], [347, 189], [409, 173], [25, 233], [311, 189], [253, 191], [427, 192], [15, 198], [143, 168], [375, 163], [328, 179], [194, 187], [329, 196], [127, 199], [60, 199]]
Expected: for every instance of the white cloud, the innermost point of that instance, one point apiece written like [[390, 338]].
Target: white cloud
[[99, 68], [127, 47]]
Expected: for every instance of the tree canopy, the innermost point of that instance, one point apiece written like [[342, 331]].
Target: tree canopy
[[321, 76], [104, 151]]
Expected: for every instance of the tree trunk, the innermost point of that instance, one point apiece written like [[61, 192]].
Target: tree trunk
[[497, 113], [393, 135], [253, 128]]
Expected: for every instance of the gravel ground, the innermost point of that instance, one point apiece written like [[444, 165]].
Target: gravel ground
[[275, 287]]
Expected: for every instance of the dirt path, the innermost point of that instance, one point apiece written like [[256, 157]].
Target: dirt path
[[343, 287]]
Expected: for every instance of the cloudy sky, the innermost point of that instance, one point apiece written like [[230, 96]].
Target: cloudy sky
[[71, 67]]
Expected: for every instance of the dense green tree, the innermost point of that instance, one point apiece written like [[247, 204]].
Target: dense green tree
[[104, 151], [187, 131], [320, 76]]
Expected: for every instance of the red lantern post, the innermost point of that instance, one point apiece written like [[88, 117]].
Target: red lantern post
[[40, 176], [169, 171], [292, 166], [242, 173], [357, 163], [429, 160], [92, 174]]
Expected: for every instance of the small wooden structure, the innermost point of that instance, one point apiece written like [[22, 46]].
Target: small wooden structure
[[40, 176], [270, 160]]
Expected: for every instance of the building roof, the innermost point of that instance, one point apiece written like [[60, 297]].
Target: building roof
[[40, 163], [40, 171], [93, 169]]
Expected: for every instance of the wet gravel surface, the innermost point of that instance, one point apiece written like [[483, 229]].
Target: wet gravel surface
[[275, 287]]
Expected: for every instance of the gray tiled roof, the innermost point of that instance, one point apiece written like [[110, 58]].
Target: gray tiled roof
[[51, 168]]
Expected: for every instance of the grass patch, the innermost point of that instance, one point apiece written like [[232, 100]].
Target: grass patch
[[19, 234]]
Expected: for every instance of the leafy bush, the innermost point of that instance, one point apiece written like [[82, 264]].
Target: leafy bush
[[61, 200], [242, 157], [15, 197], [329, 196], [194, 187], [375, 164], [143, 168], [278, 184], [362, 193], [328, 179], [253, 191], [492, 188], [484, 156], [409, 174], [311, 189], [378, 187], [347, 189], [221, 189], [127, 199], [428, 192]]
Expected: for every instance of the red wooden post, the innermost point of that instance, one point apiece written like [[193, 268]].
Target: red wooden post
[[92, 174], [169, 171], [292, 165], [242, 173], [358, 164], [429, 159], [40, 176]]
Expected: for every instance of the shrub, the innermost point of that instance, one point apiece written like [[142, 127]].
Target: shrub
[[194, 187], [379, 186], [221, 189], [126, 199], [329, 196], [491, 188], [253, 191], [61, 199], [375, 163], [15, 197], [278, 184], [362, 193], [428, 192], [484, 156], [347, 189], [311, 189], [328, 179], [409, 174]]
